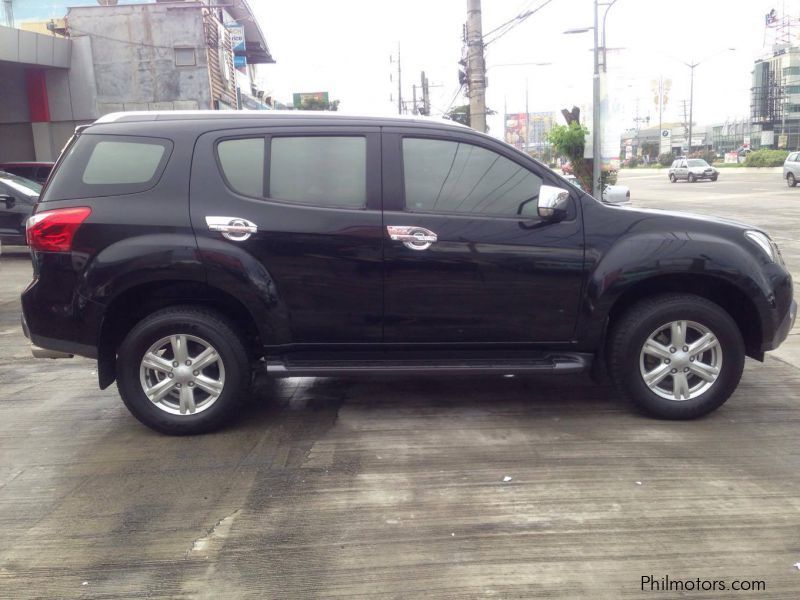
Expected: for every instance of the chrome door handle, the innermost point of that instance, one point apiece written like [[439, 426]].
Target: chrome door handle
[[235, 229], [414, 238]]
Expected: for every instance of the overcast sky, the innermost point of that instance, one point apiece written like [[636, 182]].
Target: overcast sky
[[343, 47]]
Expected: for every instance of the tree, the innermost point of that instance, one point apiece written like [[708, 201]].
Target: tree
[[460, 114], [569, 141], [312, 103]]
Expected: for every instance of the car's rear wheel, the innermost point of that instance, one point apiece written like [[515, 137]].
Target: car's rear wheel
[[692, 178], [676, 356], [183, 370], [672, 178], [790, 180]]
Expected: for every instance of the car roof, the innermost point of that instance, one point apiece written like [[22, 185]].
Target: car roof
[[269, 116]]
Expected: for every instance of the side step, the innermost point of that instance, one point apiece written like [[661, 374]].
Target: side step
[[556, 363]]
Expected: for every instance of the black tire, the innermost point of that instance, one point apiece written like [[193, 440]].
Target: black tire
[[633, 328], [201, 323], [672, 178], [790, 180], [714, 177], [691, 178]]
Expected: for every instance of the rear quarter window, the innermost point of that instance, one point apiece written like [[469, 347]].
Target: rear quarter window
[[109, 165]]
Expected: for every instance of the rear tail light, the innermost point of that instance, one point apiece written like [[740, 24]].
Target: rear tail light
[[53, 230]]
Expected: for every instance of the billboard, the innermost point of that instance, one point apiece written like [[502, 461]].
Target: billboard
[[236, 32], [300, 99], [516, 129]]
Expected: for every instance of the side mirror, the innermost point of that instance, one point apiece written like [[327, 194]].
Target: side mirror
[[9, 201], [553, 202]]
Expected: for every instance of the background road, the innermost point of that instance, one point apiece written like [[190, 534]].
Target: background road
[[394, 488]]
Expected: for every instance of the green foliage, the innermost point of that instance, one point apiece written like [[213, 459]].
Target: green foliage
[[608, 178], [460, 114], [569, 140], [665, 160], [316, 104], [632, 162], [707, 155], [766, 158]]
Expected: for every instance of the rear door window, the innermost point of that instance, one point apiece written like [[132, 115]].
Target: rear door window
[[109, 165]]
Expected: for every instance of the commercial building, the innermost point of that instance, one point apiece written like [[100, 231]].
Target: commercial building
[[157, 55]]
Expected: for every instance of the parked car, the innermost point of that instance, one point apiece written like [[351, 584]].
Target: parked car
[[791, 169], [692, 169], [183, 251], [613, 194], [35, 171], [17, 197]]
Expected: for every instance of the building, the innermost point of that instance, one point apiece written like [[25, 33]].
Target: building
[[146, 55]]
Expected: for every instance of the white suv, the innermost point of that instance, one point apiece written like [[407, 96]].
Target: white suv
[[791, 169]]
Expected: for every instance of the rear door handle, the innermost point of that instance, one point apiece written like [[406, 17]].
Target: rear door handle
[[414, 238], [235, 229]]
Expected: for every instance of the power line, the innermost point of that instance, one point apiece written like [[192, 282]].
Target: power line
[[511, 23]]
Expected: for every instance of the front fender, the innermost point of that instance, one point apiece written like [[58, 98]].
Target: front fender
[[688, 259]]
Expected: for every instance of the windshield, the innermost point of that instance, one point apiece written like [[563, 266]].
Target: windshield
[[20, 184], [697, 163]]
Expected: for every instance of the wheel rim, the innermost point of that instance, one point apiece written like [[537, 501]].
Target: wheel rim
[[680, 360], [182, 374]]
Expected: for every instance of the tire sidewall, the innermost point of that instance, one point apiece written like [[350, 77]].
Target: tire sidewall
[[720, 324], [144, 335], [790, 180]]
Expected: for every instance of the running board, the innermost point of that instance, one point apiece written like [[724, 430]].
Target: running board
[[556, 363]]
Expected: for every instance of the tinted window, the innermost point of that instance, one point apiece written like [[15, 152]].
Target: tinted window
[[324, 171], [242, 162], [697, 163], [122, 162], [28, 172], [106, 165], [452, 177]]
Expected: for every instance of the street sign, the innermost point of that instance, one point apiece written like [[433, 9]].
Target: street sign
[[665, 145]]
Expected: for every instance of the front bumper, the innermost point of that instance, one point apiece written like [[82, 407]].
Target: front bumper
[[785, 326]]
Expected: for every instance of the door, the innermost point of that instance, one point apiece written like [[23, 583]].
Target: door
[[480, 266], [682, 172], [313, 197]]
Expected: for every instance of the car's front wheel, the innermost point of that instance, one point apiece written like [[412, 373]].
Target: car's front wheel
[[790, 180], [183, 370], [676, 356], [672, 178]]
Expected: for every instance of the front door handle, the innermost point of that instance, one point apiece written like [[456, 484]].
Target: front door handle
[[235, 229], [414, 238]]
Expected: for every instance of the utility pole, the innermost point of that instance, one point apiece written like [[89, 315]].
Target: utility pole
[[691, 104], [476, 68], [426, 96], [597, 188], [399, 83], [414, 102], [527, 119]]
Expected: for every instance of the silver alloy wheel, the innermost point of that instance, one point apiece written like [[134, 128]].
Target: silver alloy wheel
[[182, 374], [680, 360]]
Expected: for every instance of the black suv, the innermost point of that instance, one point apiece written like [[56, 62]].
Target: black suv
[[185, 250]]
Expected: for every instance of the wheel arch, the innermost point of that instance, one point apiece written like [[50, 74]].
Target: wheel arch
[[725, 294], [135, 303]]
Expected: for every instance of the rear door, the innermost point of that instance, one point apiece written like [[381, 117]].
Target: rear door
[[485, 268], [313, 195]]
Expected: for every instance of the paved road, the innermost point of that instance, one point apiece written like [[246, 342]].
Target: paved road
[[394, 489]]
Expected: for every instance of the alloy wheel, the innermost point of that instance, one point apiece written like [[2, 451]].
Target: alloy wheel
[[680, 360], [182, 374]]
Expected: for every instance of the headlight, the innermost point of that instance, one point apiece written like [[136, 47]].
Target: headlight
[[762, 241]]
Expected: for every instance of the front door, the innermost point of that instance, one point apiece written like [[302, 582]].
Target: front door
[[314, 196], [480, 265]]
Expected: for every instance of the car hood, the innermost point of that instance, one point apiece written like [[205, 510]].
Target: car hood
[[687, 217]]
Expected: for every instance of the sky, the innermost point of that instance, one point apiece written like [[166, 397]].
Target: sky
[[344, 47]]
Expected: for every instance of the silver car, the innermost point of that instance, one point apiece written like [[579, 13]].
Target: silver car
[[612, 194], [692, 169], [791, 169]]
